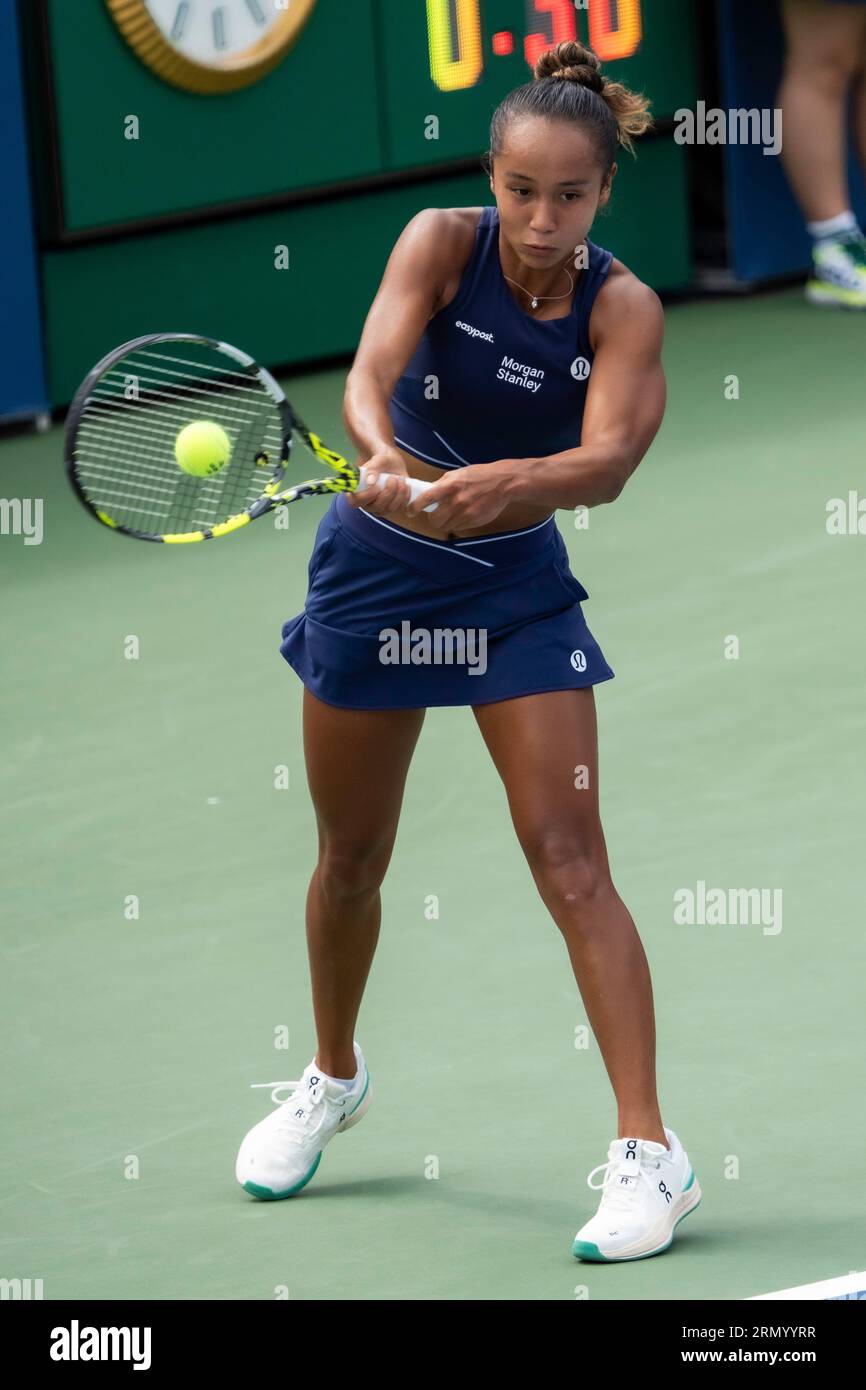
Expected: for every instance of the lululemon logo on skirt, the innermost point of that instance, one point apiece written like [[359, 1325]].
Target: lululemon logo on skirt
[[580, 369], [578, 660]]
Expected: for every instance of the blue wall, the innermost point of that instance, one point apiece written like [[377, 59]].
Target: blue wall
[[22, 378]]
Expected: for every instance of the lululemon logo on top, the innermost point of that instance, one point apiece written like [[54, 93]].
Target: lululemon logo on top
[[578, 660], [580, 369]]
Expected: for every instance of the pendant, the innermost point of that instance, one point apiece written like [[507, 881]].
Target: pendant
[[535, 303]]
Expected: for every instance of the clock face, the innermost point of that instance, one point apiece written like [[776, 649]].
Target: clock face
[[211, 45], [209, 31]]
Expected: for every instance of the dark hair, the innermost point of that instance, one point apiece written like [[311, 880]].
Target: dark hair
[[569, 86]]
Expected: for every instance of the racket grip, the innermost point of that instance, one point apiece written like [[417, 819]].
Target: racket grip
[[417, 486]]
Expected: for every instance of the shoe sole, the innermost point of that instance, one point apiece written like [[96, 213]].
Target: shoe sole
[[266, 1194], [834, 296], [587, 1250]]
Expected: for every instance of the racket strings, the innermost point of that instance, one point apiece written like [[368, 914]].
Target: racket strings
[[124, 452]]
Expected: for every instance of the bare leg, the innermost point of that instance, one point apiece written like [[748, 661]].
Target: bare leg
[[357, 761], [824, 50], [859, 112], [536, 742]]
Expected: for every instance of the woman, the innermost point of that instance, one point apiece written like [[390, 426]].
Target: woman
[[500, 340]]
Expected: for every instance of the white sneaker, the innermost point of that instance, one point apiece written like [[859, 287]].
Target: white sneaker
[[648, 1189], [281, 1153], [839, 272]]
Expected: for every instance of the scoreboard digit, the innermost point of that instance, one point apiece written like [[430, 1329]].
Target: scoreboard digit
[[456, 47]]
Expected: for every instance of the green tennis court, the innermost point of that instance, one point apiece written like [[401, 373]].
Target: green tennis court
[[159, 840]]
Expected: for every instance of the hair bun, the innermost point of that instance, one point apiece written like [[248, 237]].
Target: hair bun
[[610, 122], [572, 62], [586, 76]]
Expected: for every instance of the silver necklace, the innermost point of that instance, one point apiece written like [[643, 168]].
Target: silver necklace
[[536, 297]]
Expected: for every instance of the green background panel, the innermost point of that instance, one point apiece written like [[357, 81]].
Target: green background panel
[[179, 280], [299, 127], [302, 126], [663, 67]]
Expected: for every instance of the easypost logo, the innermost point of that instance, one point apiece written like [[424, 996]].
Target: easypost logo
[[473, 332], [77, 1343]]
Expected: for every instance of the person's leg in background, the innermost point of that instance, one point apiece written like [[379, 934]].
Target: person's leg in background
[[824, 56], [859, 103]]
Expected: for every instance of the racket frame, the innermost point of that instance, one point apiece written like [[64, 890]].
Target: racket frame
[[345, 475]]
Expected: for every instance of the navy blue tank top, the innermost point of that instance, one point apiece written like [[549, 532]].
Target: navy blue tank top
[[505, 385]]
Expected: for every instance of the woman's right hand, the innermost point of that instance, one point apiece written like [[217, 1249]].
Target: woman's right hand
[[388, 498]]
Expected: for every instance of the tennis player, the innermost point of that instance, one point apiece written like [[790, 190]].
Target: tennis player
[[516, 365]]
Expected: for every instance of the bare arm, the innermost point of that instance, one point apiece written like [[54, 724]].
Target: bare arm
[[414, 278]]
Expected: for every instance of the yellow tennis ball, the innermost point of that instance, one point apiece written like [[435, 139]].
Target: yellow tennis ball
[[202, 448]]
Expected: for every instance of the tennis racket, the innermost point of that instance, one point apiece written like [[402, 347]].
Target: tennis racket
[[125, 418]]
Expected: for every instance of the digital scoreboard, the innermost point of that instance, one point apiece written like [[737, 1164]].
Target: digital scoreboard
[[457, 47], [461, 62]]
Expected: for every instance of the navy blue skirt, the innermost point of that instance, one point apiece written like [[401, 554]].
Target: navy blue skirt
[[394, 620]]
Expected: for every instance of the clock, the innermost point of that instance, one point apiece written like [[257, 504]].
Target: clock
[[210, 46]]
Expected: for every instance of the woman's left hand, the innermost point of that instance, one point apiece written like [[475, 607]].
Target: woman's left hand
[[469, 497]]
